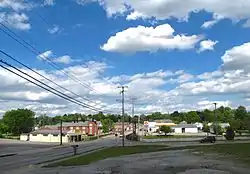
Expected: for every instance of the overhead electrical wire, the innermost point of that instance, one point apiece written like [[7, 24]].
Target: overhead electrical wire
[[37, 52], [47, 88], [11, 57], [47, 59]]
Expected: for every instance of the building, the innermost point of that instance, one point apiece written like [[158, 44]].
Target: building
[[151, 127], [199, 125], [71, 132], [185, 128], [118, 127]]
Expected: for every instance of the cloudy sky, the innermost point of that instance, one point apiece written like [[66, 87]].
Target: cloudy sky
[[172, 55]]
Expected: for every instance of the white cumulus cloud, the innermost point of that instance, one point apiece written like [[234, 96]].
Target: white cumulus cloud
[[166, 9], [207, 45], [15, 20], [149, 39], [55, 29], [49, 2]]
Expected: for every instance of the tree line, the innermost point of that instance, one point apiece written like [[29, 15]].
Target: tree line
[[23, 120]]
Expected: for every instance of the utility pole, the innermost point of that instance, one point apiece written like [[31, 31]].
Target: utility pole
[[123, 114], [215, 116], [61, 132], [133, 110]]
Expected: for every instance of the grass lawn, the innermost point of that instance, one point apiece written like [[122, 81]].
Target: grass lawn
[[107, 153], [237, 151], [170, 136]]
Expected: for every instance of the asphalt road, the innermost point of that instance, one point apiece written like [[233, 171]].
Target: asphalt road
[[38, 153]]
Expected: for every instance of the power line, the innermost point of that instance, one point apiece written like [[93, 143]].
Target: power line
[[11, 57], [37, 13], [36, 52], [49, 61], [49, 88]]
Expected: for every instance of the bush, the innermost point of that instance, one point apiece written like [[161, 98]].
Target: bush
[[89, 138], [132, 137], [230, 133]]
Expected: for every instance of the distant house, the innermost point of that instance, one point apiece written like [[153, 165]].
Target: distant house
[[71, 132], [185, 128], [118, 127], [199, 125]]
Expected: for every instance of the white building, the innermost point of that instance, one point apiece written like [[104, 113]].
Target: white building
[[50, 136], [185, 128], [199, 125]]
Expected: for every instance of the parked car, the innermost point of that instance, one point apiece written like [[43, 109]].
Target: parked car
[[208, 139]]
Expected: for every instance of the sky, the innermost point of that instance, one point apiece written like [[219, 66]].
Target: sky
[[172, 55]]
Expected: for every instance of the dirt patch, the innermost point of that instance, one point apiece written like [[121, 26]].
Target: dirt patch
[[169, 162]]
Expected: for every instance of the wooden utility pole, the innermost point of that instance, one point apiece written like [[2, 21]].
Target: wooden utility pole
[[123, 114], [216, 120], [61, 132]]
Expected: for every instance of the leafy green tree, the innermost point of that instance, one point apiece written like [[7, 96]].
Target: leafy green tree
[[217, 129], [166, 129], [206, 128], [44, 120], [3, 128], [19, 121], [207, 115], [107, 125], [192, 117], [235, 125], [240, 113]]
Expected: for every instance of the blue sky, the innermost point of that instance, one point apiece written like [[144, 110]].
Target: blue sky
[[160, 53]]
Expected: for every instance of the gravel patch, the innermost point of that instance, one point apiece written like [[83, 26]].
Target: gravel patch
[[169, 162]]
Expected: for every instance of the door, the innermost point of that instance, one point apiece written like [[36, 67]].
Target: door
[[183, 130]]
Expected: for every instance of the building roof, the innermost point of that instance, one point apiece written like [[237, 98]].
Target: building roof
[[72, 124], [185, 126], [48, 131], [164, 121]]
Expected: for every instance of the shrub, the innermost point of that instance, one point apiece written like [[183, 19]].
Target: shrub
[[230, 133]]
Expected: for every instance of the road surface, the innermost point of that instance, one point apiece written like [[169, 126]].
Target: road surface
[[47, 153]]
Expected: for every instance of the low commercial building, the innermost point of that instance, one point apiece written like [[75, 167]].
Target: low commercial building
[[71, 132], [185, 128], [152, 127]]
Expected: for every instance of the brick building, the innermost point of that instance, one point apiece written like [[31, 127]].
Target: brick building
[[85, 128]]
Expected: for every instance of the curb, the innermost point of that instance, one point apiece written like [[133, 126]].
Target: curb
[[7, 154]]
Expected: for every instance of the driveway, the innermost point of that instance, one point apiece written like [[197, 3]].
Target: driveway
[[169, 162]]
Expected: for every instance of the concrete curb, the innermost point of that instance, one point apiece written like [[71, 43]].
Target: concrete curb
[[7, 154]]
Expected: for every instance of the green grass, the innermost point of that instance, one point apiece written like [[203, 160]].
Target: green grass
[[170, 136], [237, 151], [107, 153]]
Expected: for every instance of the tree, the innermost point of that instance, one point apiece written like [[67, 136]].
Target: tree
[[3, 128], [207, 115], [19, 121], [218, 129], [165, 129], [107, 125], [240, 113], [230, 133], [206, 128], [192, 117]]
